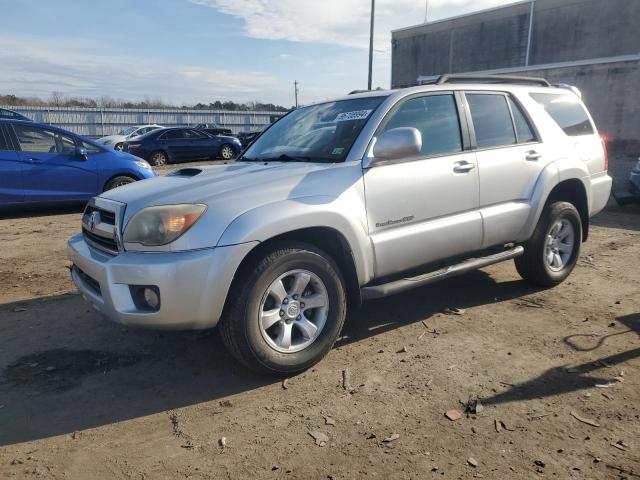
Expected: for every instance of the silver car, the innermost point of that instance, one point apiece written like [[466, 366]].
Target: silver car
[[344, 201], [117, 141]]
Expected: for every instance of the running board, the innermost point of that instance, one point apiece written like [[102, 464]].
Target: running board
[[397, 286]]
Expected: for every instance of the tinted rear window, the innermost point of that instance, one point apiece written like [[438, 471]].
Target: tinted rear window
[[567, 111]]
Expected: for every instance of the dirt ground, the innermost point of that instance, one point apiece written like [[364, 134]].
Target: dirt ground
[[557, 373]]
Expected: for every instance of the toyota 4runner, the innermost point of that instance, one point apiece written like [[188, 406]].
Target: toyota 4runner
[[348, 200]]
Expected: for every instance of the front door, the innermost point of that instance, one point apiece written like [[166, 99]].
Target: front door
[[11, 186], [425, 208], [50, 170]]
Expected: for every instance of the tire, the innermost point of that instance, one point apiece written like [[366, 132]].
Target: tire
[[158, 158], [227, 152], [251, 294], [119, 182], [118, 147], [549, 265]]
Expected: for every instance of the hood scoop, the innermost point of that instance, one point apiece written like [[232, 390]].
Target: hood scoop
[[186, 172]]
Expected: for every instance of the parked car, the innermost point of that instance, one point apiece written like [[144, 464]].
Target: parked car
[[44, 165], [181, 144], [213, 129], [117, 141], [11, 115], [247, 137], [398, 189]]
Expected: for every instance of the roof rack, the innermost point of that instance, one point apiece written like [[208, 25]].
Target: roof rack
[[461, 78]]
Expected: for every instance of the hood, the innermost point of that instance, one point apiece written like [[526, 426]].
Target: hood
[[233, 189]]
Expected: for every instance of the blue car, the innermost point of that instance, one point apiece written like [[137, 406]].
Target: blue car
[[182, 144], [44, 165]]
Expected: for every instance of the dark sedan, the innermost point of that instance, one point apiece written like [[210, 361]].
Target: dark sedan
[[214, 129], [181, 144]]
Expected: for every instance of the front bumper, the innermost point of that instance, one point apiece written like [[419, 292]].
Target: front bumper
[[193, 285]]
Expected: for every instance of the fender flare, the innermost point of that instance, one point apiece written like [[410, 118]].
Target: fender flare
[[551, 176], [281, 217]]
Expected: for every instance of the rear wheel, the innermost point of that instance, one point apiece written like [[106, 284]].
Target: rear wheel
[[158, 158], [552, 251], [285, 314], [119, 182], [227, 152]]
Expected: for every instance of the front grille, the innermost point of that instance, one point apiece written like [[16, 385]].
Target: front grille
[[99, 228], [109, 245]]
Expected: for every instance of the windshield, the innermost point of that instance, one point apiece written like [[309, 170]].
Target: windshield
[[318, 133], [128, 130]]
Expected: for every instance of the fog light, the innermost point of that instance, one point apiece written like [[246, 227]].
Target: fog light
[[145, 297], [152, 299]]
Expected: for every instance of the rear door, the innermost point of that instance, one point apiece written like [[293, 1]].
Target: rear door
[[11, 184], [510, 159], [51, 170], [175, 143]]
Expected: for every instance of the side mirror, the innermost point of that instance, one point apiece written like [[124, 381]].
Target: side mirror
[[81, 154], [397, 143]]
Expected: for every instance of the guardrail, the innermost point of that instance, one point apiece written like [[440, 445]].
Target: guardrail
[[97, 122]]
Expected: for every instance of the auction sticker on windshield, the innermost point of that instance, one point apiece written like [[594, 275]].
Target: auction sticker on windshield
[[355, 115]]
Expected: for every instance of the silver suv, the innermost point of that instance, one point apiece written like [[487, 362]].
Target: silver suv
[[344, 201]]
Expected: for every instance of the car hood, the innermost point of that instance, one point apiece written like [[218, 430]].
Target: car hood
[[112, 139], [233, 189]]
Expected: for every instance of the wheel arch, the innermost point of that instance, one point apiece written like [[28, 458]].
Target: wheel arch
[[327, 239], [573, 191], [119, 174]]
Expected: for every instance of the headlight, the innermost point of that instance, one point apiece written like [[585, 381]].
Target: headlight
[[143, 164], [155, 226]]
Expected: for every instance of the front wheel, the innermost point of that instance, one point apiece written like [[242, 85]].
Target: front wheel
[[227, 152], [552, 251], [285, 314], [119, 182]]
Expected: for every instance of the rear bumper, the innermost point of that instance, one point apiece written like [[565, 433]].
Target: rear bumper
[[193, 285], [600, 192]]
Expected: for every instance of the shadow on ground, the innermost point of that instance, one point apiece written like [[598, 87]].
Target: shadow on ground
[[65, 369], [558, 380]]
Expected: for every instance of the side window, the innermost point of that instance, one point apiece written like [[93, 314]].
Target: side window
[[491, 120], [194, 134], [91, 149], [4, 141], [33, 139], [66, 145], [173, 134], [567, 111], [523, 129], [436, 117]]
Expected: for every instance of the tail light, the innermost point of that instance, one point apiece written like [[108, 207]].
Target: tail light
[[603, 139]]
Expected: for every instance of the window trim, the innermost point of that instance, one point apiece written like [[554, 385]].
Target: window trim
[[507, 96], [462, 125]]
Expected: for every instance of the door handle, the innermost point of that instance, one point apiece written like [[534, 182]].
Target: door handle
[[463, 166], [532, 156]]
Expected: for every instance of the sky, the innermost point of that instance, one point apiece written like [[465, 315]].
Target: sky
[[189, 51]]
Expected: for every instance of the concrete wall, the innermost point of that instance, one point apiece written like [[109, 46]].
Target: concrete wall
[[562, 31]]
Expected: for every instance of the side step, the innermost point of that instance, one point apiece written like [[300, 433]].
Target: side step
[[397, 286]]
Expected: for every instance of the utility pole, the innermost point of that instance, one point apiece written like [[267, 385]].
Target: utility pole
[[373, 8], [426, 10], [295, 91]]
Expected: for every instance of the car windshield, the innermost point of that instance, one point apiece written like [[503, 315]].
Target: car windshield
[[128, 130], [318, 133]]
